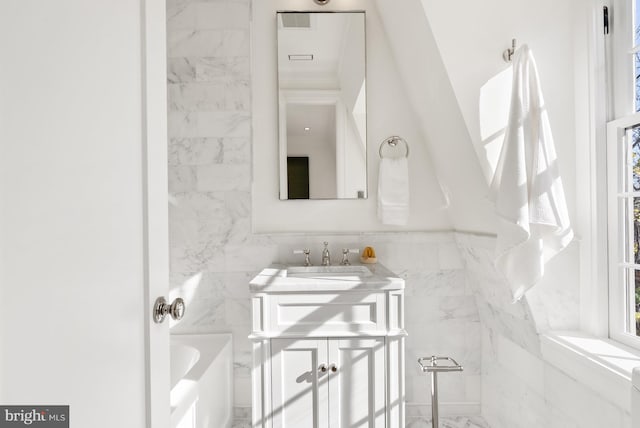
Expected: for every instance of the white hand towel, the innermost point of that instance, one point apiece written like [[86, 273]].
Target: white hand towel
[[393, 191], [530, 203]]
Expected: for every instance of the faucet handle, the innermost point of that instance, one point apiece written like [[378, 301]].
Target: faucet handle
[[326, 255], [345, 255], [306, 253]]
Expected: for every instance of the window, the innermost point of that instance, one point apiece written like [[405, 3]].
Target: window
[[623, 175], [624, 227]]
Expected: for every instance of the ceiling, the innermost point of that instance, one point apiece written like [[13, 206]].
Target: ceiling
[[324, 39]]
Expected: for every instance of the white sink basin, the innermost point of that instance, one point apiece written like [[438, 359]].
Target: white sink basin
[[285, 278], [328, 272]]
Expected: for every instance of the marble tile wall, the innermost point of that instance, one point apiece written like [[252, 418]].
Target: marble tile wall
[[213, 252], [497, 311], [519, 389]]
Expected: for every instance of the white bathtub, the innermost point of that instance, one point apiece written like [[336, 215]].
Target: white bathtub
[[201, 381]]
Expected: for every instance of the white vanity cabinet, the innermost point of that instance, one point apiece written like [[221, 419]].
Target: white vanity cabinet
[[328, 382], [328, 350]]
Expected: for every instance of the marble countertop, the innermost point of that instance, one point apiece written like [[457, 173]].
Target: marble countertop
[[277, 279]]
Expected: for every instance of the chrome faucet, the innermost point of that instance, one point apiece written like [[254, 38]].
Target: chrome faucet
[[326, 256]]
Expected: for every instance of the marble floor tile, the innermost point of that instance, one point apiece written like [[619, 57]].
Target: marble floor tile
[[449, 422]]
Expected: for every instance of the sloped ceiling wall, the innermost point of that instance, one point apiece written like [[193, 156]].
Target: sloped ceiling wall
[[450, 56], [433, 98]]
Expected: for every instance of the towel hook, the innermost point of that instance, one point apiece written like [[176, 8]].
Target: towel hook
[[393, 142], [508, 54]]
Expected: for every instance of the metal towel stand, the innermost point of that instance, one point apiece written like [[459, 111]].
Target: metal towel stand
[[433, 368]]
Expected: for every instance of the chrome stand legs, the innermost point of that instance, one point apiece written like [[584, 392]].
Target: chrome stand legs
[[433, 368]]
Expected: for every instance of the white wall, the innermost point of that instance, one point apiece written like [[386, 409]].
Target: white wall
[[432, 97], [471, 46], [352, 77], [355, 160], [389, 113], [352, 68]]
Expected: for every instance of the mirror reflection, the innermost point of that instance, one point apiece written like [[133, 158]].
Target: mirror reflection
[[322, 102]]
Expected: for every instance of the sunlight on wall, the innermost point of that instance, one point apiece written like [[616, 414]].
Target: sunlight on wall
[[183, 391], [186, 290], [494, 113], [359, 113]]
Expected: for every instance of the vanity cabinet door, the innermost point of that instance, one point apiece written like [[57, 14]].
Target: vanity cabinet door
[[300, 390], [357, 387]]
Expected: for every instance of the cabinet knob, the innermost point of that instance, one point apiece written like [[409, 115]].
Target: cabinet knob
[[333, 368], [323, 368]]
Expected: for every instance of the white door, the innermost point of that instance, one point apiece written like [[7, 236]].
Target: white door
[[357, 386], [83, 209], [299, 385]]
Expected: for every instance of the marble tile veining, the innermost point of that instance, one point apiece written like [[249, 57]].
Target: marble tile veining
[[224, 177], [450, 282], [182, 179], [206, 15], [207, 43], [196, 124], [234, 68], [180, 70], [195, 151], [209, 96]]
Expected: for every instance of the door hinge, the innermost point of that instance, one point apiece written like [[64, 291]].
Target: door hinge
[[605, 19]]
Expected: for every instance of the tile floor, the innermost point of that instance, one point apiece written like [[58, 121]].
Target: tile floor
[[449, 422]]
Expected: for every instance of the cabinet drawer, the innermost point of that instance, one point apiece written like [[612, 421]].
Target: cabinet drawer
[[351, 312]]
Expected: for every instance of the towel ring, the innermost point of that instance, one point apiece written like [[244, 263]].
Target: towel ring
[[393, 142]]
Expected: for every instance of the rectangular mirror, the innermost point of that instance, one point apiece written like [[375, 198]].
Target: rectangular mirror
[[322, 105]]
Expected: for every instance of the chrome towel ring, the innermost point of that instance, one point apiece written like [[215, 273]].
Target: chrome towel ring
[[393, 142]]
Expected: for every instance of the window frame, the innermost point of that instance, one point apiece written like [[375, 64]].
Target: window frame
[[618, 298], [592, 114], [620, 116]]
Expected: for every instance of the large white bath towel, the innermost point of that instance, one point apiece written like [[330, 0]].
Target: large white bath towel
[[530, 203], [393, 191]]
